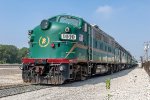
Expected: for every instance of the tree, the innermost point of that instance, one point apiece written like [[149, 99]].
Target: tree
[[8, 54], [11, 54], [23, 53]]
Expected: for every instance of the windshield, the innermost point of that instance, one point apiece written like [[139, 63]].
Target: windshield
[[53, 19], [69, 20]]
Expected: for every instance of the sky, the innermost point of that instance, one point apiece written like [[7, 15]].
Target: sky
[[128, 21]]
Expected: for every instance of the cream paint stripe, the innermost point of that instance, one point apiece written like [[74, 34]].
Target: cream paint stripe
[[73, 47], [82, 46], [97, 50], [85, 47]]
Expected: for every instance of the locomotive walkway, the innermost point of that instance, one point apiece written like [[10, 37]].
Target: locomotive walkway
[[131, 84]]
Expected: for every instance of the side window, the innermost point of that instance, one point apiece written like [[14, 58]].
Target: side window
[[101, 46], [105, 48], [96, 44], [108, 49]]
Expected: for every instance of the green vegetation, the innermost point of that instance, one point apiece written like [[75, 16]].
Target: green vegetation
[[12, 54], [108, 84], [108, 88]]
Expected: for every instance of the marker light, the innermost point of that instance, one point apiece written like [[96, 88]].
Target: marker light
[[53, 45]]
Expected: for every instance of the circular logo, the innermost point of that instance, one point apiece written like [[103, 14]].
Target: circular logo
[[44, 41]]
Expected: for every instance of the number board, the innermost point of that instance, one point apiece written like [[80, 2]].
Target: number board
[[68, 36]]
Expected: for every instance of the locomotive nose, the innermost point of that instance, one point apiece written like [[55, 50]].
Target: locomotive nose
[[45, 24]]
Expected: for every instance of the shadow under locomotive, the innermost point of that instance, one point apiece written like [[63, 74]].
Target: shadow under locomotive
[[96, 79]]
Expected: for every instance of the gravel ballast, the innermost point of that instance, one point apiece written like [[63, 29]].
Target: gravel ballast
[[10, 76], [131, 84]]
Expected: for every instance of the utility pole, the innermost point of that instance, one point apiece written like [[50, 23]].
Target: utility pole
[[146, 48]]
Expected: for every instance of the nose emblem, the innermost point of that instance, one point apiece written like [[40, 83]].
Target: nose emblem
[[44, 41]]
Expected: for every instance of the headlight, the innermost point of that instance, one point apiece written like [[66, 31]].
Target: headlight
[[61, 67], [45, 24]]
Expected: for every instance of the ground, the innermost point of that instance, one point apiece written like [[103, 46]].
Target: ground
[[131, 84]]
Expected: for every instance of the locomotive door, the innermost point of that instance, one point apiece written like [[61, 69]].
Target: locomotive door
[[90, 50], [90, 44]]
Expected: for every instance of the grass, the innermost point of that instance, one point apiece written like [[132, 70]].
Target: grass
[[108, 83]]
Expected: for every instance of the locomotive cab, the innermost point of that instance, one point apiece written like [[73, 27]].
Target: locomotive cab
[[54, 38]]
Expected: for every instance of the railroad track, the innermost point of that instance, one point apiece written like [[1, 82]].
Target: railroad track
[[19, 89], [14, 89], [9, 65]]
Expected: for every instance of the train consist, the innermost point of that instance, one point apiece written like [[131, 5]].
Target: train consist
[[66, 48]]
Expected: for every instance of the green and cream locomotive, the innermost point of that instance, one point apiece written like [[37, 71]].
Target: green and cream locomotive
[[66, 47]]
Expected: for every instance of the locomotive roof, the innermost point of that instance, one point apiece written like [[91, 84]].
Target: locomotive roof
[[104, 33], [67, 15], [116, 43]]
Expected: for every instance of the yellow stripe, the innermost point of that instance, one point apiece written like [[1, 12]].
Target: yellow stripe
[[97, 50], [73, 47], [86, 47]]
